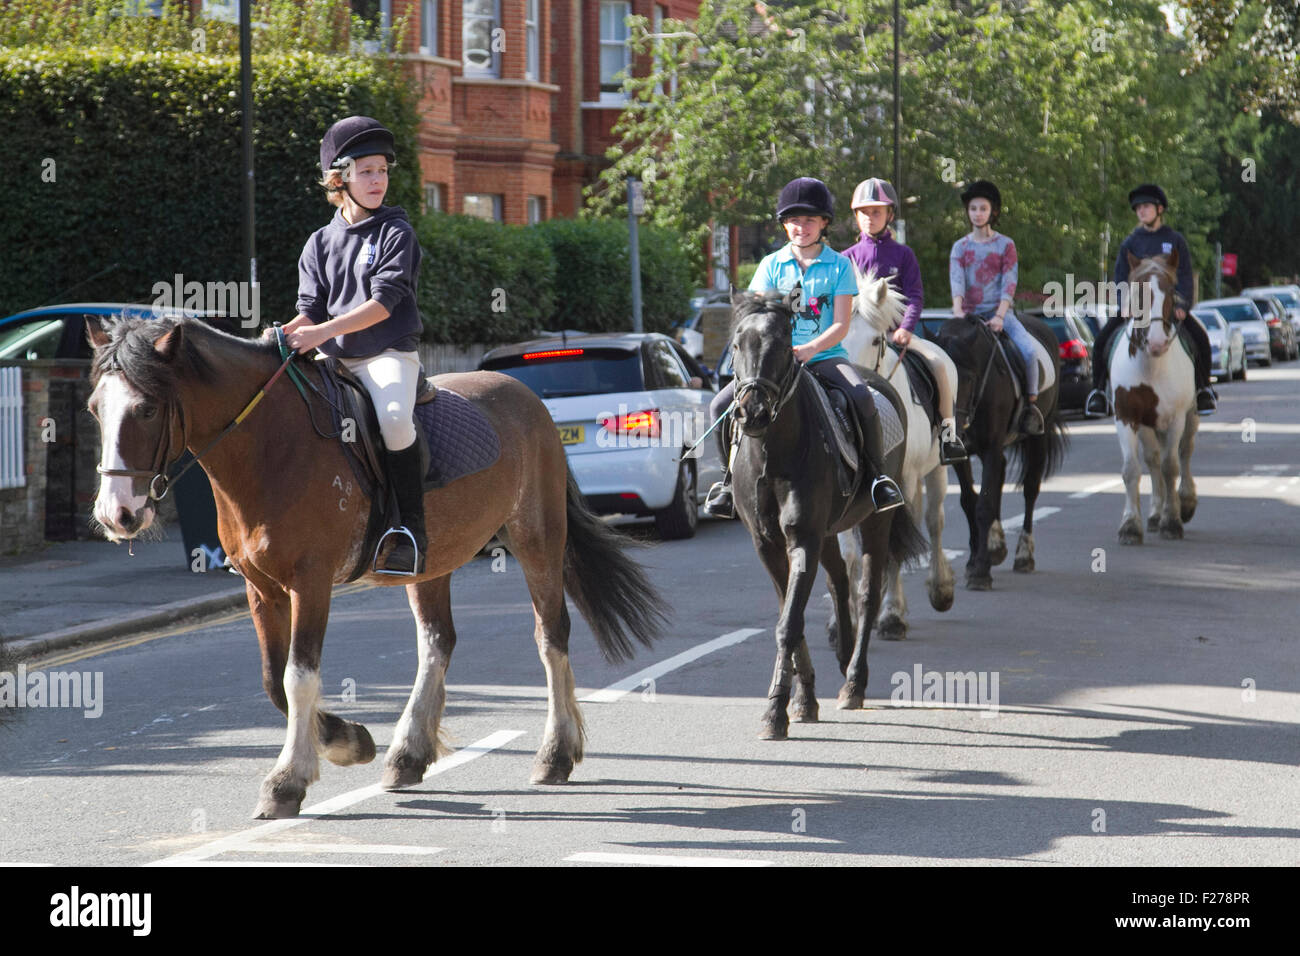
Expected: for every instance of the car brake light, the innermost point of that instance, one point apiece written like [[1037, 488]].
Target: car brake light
[[553, 353], [1073, 349], [644, 424], [1273, 320]]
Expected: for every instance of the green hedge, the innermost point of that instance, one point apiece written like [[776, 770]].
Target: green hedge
[[134, 158], [486, 282]]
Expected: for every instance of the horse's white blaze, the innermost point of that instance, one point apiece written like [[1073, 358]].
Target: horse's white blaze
[[115, 492]]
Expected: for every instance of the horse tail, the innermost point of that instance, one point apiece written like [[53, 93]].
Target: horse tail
[[610, 589], [1055, 441], [907, 545]]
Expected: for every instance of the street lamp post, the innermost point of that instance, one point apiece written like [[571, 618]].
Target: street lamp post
[[246, 126]]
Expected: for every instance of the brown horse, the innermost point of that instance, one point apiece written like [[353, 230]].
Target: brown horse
[[292, 523]]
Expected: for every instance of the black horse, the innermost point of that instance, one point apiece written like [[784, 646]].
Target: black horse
[[789, 496], [986, 411]]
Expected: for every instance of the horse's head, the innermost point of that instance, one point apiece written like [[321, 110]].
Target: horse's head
[[1154, 324], [762, 355], [141, 428], [877, 308]]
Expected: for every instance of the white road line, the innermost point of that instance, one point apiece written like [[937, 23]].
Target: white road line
[[241, 840], [641, 859], [624, 687], [1093, 489], [1018, 520], [390, 849]]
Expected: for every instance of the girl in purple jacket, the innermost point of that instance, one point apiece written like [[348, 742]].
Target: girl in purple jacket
[[875, 203]]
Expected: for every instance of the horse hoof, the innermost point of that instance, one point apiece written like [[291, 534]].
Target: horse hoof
[[810, 714], [1130, 532], [270, 809], [353, 744], [849, 700], [1153, 523], [773, 732], [979, 582], [941, 600], [549, 775], [1171, 531], [1187, 511], [402, 775], [1023, 565], [892, 628], [997, 555]]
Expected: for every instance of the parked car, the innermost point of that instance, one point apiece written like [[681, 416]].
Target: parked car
[[1242, 313], [1288, 295], [1074, 340], [1281, 334], [627, 407], [703, 333], [1227, 350], [59, 331]]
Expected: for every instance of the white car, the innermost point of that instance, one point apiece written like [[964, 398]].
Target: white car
[[1242, 313], [627, 408], [1288, 295], [1227, 348]]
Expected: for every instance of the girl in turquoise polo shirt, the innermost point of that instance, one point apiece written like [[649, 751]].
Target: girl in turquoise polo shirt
[[804, 209]]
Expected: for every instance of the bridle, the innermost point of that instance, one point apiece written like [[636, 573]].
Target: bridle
[[774, 394], [1137, 333], [159, 470]]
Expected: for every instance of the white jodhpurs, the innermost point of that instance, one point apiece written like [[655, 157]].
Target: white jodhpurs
[[391, 378]]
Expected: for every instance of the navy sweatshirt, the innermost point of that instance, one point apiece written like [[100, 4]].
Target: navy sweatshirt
[[344, 265], [1145, 244]]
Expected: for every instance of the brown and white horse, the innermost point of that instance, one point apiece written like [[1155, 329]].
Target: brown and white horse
[[293, 526], [1153, 386]]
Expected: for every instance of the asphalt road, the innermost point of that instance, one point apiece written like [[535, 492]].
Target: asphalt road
[[1145, 713]]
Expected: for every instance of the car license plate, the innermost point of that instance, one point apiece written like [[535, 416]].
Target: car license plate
[[571, 434]]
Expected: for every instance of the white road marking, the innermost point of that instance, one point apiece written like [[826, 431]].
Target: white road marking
[[390, 849], [1093, 489], [642, 859], [624, 687], [241, 840], [1260, 428], [1018, 520]]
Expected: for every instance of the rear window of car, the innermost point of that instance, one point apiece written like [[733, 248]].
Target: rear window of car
[[1238, 313], [1209, 320], [590, 372], [1057, 324], [1289, 299]]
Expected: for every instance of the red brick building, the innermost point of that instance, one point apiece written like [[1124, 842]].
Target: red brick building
[[519, 97]]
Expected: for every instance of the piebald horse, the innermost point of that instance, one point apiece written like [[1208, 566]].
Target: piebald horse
[[292, 533], [1153, 385], [877, 308]]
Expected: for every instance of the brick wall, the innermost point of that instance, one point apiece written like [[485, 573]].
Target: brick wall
[[22, 510]]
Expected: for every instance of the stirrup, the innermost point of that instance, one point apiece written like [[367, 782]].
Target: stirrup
[[718, 502], [1088, 404], [1213, 401], [952, 452], [415, 548], [884, 484], [1032, 421]]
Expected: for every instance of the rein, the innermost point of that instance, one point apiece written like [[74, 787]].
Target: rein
[[775, 394], [159, 470]]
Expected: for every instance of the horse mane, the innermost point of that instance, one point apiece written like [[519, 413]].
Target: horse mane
[[889, 313], [758, 303], [131, 352]]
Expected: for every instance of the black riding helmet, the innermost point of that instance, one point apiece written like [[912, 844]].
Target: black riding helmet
[[354, 137], [983, 189], [805, 196], [1148, 192]]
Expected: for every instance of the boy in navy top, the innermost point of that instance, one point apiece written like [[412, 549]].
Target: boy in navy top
[[1151, 237], [357, 280]]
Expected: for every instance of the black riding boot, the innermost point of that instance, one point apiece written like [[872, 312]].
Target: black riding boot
[[885, 493], [405, 469], [718, 502]]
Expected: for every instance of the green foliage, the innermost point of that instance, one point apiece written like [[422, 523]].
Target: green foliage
[[483, 281], [593, 288], [1271, 40], [133, 158], [1066, 106]]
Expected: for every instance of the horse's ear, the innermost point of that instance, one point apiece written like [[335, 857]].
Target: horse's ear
[[1132, 261], [737, 295], [95, 333], [167, 343], [1173, 260]]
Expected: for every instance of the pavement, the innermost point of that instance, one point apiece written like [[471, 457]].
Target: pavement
[[78, 592]]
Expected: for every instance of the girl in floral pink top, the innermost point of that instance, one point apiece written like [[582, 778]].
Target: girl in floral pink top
[[982, 270]]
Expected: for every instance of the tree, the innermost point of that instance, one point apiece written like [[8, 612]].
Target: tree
[[1273, 39]]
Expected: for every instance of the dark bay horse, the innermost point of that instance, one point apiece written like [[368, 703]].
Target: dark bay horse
[[787, 494], [292, 523], [986, 407]]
